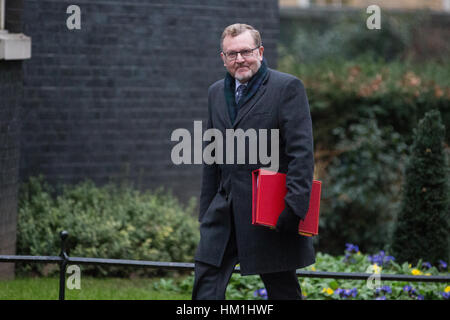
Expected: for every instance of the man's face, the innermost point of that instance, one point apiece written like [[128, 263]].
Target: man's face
[[242, 68]]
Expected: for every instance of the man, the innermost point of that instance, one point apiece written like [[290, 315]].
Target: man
[[254, 96]]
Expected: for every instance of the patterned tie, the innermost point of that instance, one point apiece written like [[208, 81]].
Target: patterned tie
[[239, 92]]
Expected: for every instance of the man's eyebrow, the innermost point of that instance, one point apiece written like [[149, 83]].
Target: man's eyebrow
[[238, 50]]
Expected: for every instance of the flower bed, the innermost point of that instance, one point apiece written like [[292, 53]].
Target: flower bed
[[355, 261], [251, 287]]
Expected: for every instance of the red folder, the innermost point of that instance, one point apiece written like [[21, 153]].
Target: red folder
[[269, 190]]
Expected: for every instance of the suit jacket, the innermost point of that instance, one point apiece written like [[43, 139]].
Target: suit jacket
[[280, 103]]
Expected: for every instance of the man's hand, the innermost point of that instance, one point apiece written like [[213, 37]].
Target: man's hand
[[288, 221]]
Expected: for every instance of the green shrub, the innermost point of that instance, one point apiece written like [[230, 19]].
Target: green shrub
[[397, 94], [423, 222], [360, 193], [105, 222], [348, 38], [311, 38], [363, 114]]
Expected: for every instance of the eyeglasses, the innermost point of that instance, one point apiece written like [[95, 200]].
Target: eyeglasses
[[232, 55]]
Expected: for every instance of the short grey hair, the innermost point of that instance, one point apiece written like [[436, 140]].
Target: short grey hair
[[239, 28]]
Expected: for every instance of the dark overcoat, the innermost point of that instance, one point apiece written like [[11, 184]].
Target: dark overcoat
[[280, 103]]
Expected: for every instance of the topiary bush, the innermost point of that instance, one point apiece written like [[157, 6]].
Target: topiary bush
[[112, 221], [423, 221]]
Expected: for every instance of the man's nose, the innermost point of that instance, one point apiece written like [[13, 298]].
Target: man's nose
[[239, 57]]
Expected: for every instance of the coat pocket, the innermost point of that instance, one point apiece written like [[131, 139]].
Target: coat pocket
[[217, 205]]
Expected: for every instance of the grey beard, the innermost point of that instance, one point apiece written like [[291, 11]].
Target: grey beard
[[246, 78]]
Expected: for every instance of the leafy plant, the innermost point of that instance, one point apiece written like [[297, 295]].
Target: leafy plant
[[361, 188], [363, 114], [105, 222]]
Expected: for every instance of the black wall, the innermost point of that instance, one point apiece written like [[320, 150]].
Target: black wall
[[102, 102]]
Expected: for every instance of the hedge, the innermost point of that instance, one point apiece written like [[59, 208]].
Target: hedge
[[110, 221]]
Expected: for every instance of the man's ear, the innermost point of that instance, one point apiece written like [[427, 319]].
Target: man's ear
[[261, 50], [223, 59]]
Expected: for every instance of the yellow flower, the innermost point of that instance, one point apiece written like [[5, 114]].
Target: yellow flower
[[447, 289], [328, 290], [416, 272], [376, 268], [313, 268]]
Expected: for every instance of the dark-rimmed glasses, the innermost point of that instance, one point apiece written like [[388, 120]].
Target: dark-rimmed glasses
[[232, 55]]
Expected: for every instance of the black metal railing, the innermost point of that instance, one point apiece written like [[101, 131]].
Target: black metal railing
[[63, 260]]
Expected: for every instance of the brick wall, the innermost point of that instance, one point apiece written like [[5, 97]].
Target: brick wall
[[10, 93], [102, 102], [10, 102]]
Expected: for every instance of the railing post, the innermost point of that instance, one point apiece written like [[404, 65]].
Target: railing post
[[63, 264]]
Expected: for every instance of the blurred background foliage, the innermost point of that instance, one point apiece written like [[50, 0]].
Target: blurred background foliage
[[367, 91]]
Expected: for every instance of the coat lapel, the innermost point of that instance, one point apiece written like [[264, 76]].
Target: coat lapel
[[225, 114], [250, 103], [248, 106], [221, 109]]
